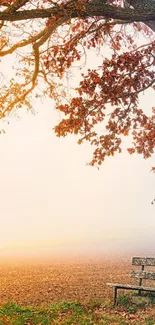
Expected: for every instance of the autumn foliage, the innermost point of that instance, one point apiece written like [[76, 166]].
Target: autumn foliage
[[48, 37]]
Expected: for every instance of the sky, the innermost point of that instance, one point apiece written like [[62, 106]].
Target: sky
[[54, 205]]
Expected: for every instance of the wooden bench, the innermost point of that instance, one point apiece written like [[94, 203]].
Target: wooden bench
[[140, 275]]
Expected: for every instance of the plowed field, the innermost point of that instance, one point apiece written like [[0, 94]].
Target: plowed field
[[53, 282]]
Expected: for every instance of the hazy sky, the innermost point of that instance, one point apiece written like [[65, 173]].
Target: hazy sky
[[52, 203]]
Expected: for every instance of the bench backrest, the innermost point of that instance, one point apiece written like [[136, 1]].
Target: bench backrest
[[141, 274]]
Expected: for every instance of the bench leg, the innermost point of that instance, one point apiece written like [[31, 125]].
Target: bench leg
[[140, 283], [115, 295]]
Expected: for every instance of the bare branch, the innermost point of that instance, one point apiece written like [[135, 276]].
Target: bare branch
[[24, 43]]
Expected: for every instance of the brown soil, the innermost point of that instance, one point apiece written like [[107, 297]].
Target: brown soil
[[46, 283]]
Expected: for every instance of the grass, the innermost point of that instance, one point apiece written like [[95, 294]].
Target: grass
[[75, 313]]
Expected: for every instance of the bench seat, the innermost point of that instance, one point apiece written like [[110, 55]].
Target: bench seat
[[130, 287]]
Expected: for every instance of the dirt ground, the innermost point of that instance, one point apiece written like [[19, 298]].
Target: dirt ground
[[51, 282]]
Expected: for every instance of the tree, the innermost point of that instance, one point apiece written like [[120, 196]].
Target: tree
[[48, 36]]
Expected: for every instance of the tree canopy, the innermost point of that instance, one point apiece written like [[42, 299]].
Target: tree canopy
[[48, 37]]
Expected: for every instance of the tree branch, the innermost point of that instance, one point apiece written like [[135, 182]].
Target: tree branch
[[24, 43], [88, 10]]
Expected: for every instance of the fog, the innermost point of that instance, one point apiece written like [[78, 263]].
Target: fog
[[54, 206]]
